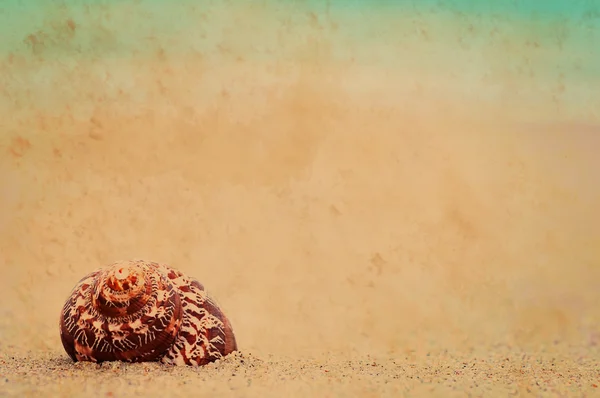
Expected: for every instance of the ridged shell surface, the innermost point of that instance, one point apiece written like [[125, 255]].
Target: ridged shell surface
[[138, 311]]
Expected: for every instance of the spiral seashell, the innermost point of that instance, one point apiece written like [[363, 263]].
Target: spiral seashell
[[137, 311]]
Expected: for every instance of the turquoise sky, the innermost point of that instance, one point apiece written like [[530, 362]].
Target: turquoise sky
[[130, 21], [546, 44], [523, 8]]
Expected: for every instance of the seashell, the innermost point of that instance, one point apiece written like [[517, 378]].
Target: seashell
[[138, 311]]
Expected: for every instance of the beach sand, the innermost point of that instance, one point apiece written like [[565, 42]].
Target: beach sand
[[415, 217], [496, 371]]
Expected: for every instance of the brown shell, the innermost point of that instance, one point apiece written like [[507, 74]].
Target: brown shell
[[138, 311]]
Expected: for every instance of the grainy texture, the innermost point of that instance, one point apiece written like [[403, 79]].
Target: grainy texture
[[383, 182], [499, 371]]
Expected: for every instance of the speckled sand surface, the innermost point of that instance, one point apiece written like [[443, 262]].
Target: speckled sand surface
[[383, 204], [500, 371]]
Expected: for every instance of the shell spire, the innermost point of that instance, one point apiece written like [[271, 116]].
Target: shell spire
[[138, 311]]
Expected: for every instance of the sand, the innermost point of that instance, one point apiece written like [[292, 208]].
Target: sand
[[405, 206], [499, 371]]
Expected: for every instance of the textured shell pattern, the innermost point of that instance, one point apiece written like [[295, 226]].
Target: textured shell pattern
[[137, 311]]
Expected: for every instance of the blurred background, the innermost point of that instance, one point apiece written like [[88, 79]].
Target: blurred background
[[343, 178]]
